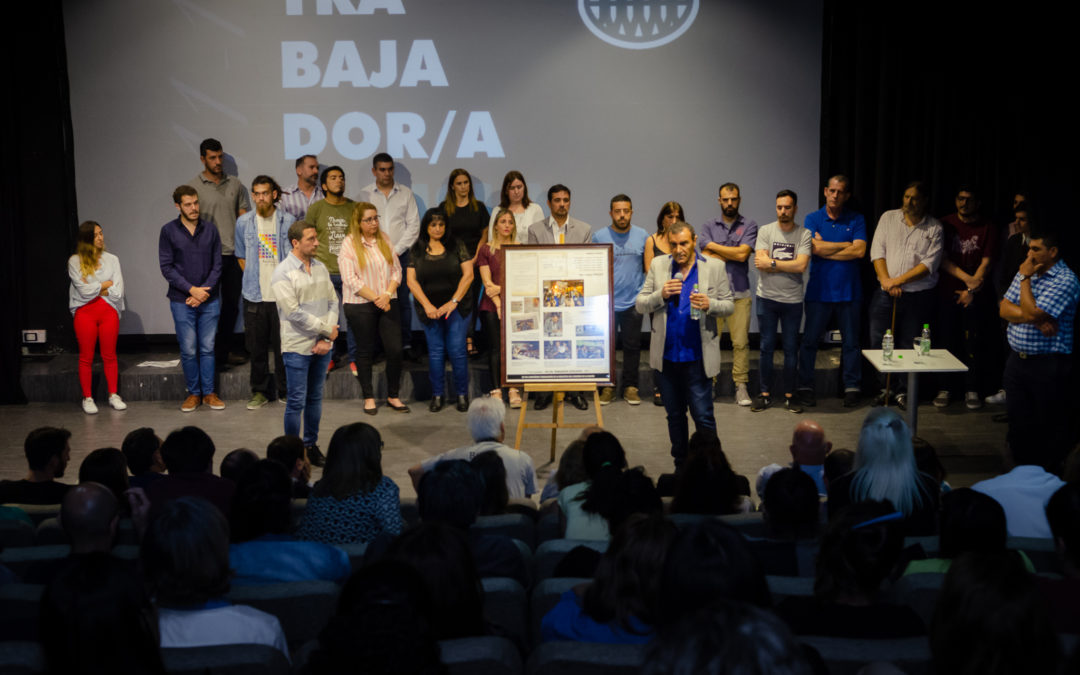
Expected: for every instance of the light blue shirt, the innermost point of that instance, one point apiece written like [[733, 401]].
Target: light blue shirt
[[249, 248], [629, 250]]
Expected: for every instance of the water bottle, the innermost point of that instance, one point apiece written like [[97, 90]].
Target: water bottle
[[695, 313], [887, 347], [924, 342]]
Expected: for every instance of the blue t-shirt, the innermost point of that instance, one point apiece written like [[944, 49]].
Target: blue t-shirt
[[629, 262], [834, 280], [567, 620], [683, 340]]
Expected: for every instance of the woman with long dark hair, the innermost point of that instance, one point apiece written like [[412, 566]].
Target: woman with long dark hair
[[440, 272], [514, 197], [466, 221], [96, 299]]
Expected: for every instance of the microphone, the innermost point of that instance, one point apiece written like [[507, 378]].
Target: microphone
[[678, 277]]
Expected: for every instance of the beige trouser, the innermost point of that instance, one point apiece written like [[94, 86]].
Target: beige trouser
[[738, 325]]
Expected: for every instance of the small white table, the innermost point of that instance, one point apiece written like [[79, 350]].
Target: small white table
[[903, 361]]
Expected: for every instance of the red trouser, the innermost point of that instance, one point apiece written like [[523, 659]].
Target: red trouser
[[95, 319]]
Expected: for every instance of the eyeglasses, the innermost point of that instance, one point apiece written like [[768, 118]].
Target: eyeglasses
[[371, 219]]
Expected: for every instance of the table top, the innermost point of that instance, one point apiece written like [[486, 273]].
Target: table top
[[903, 361]]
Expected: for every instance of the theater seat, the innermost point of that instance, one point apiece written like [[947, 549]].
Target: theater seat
[[302, 607], [225, 660], [21, 658], [506, 605], [846, 656], [582, 658], [480, 656]]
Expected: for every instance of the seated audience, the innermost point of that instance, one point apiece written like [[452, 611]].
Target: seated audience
[[791, 506], [971, 522], [47, 454], [485, 420], [1063, 594], [808, 451], [289, 451], [142, 450], [96, 617], [602, 454], [926, 459], [622, 603], [839, 462], [262, 550], [185, 559], [235, 463], [189, 456], [491, 468], [706, 484], [354, 501], [859, 550], [570, 472], [991, 619], [885, 470], [1024, 491], [728, 638], [440, 553], [383, 621], [107, 466]]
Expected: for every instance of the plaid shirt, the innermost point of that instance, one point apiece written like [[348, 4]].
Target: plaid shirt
[[1056, 292]]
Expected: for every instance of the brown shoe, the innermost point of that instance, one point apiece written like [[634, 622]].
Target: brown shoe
[[214, 402], [190, 403]]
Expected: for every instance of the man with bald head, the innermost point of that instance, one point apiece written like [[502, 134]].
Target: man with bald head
[[808, 449], [89, 514]]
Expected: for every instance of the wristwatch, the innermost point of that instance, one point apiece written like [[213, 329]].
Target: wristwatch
[[773, 264], [1022, 276]]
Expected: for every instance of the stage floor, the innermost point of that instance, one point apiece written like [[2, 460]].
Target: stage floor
[[969, 442]]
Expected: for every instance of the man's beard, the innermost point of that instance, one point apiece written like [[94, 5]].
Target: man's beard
[[264, 211], [731, 213]]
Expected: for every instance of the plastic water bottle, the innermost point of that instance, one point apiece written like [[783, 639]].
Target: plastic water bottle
[[887, 347], [695, 313], [924, 341]]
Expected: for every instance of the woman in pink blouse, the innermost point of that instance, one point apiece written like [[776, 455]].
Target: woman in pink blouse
[[370, 276], [491, 272]]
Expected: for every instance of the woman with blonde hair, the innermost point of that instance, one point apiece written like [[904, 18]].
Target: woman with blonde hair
[[491, 272], [370, 276], [96, 299]]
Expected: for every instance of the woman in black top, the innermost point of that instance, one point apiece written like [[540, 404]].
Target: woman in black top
[[466, 221], [440, 271]]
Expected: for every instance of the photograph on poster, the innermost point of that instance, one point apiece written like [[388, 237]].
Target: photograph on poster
[[589, 330], [553, 324], [524, 323], [557, 349], [591, 349], [564, 293], [525, 350]]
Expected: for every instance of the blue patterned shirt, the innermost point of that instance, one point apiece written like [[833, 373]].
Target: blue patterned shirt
[[1056, 292]]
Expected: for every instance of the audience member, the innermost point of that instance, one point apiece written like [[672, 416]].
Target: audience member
[[837, 463], [1024, 491], [142, 450], [290, 452], [185, 558], [859, 549], [570, 472], [493, 471], [354, 502], [485, 420], [97, 618], [926, 459], [622, 603], [706, 484], [89, 516], [991, 619], [1063, 515], [236, 462], [791, 505], [47, 454], [602, 454], [189, 456], [108, 467], [262, 551], [384, 622], [728, 638], [885, 470]]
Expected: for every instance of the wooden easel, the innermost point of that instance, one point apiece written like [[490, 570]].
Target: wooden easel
[[558, 400]]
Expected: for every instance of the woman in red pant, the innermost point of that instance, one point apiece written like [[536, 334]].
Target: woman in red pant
[[96, 299]]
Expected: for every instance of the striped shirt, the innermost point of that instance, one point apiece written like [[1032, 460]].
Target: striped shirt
[[306, 302], [295, 202], [377, 274], [1056, 292]]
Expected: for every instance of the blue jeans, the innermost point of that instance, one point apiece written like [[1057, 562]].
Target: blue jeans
[[817, 317], [446, 337], [350, 340], [684, 385], [306, 375], [787, 315], [195, 329]]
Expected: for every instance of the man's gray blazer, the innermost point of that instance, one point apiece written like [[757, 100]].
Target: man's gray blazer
[[577, 232], [713, 282]]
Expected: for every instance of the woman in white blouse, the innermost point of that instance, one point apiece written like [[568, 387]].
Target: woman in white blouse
[[96, 299], [370, 276], [515, 198]]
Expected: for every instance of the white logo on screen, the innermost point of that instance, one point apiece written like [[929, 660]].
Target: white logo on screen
[[638, 24]]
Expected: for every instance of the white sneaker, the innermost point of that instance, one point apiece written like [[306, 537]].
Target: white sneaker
[[972, 400], [997, 399], [88, 406], [742, 397], [116, 402]]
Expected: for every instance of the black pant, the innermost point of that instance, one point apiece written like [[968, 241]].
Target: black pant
[[364, 321], [628, 322], [489, 321], [232, 278], [1038, 401], [967, 332], [262, 334]]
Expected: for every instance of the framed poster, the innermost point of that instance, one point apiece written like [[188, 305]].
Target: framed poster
[[558, 319]]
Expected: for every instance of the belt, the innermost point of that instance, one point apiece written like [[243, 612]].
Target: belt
[[1029, 355]]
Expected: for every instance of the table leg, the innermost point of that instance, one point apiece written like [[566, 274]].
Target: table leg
[[913, 402]]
